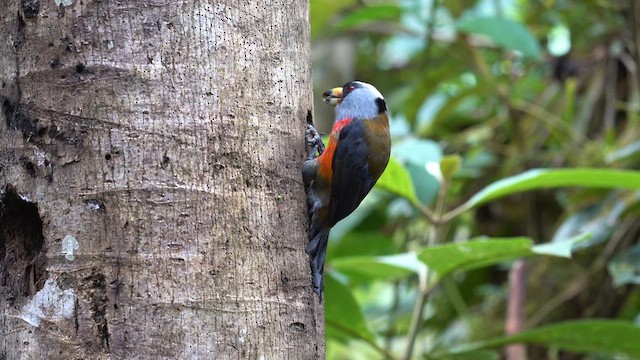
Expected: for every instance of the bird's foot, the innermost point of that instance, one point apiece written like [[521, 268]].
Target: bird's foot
[[314, 141]]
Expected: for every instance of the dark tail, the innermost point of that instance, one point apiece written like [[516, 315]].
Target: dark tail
[[317, 250]]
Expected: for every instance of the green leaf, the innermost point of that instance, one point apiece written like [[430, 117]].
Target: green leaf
[[408, 261], [475, 253], [504, 32], [560, 248], [391, 267], [360, 243], [417, 151], [599, 219], [584, 336], [344, 318], [550, 178], [449, 165], [396, 179], [474, 355], [425, 184], [625, 268], [322, 11], [629, 150], [415, 154], [368, 14], [480, 252]]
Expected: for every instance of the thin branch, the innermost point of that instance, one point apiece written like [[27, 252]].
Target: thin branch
[[533, 110], [395, 305], [552, 120], [455, 212], [431, 24], [629, 225], [442, 196], [416, 318], [569, 292], [478, 62], [426, 284], [515, 308], [610, 95], [635, 33], [426, 212]]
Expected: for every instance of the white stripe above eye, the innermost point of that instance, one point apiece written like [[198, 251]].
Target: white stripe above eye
[[372, 89]]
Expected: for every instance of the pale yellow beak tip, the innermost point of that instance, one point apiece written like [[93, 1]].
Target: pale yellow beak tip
[[333, 96]]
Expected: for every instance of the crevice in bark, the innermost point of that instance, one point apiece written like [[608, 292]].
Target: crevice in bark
[[95, 205], [309, 117], [76, 305], [26, 119], [20, 39], [21, 36], [16, 119], [165, 161], [39, 127], [81, 68], [297, 326], [30, 8], [23, 260], [116, 286], [28, 165], [97, 290]]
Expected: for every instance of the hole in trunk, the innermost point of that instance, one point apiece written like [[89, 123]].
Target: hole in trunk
[[22, 249]]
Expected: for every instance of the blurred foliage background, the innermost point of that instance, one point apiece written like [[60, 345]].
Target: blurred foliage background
[[449, 257]]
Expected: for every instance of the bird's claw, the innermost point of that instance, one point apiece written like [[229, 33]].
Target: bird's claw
[[311, 135], [314, 141]]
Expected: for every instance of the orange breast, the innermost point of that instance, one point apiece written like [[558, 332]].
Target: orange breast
[[326, 159]]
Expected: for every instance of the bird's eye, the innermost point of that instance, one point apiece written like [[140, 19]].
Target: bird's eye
[[350, 88]]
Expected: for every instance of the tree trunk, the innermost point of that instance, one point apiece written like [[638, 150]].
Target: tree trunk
[[152, 202]]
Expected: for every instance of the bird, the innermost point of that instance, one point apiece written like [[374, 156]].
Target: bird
[[338, 177]]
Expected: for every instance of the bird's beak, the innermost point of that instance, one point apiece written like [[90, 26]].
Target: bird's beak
[[333, 96]]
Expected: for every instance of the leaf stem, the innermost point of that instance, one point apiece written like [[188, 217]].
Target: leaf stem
[[416, 317], [415, 321], [426, 283], [455, 212], [426, 212]]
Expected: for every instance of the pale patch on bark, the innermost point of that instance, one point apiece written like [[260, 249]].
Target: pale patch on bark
[[63, 2], [50, 303], [69, 244]]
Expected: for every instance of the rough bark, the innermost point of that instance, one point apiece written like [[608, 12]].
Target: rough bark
[[152, 204]]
